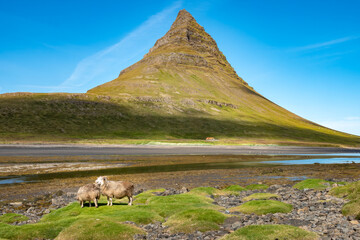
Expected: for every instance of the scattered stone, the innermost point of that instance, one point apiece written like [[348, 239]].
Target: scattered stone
[[184, 190], [16, 204]]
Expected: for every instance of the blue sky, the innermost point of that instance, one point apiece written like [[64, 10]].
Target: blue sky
[[303, 55]]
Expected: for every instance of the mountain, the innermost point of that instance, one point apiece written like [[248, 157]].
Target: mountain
[[183, 89]]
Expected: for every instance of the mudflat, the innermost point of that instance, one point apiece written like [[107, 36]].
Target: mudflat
[[76, 150]]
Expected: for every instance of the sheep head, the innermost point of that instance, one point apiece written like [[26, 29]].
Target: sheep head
[[101, 180]]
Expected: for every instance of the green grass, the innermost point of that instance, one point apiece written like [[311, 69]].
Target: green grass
[[260, 196], [271, 232], [166, 206], [12, 217], [350, 191], [256, 187], [144, 196], [210, 191], [41, 230], [262, 207], [73, 222], [195, 220], [235, 188], [317, 184], [206, 191], [99, 229]]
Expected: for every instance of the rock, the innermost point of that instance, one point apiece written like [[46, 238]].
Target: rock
[[30, 209], [184, 190], [58, 193], [16, 204], [354, 222]]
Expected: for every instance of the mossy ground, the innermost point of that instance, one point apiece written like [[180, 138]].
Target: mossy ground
[[260, 196], [271, 232], [317, 184], [261, 207], [210, 191], [235, 188], [195, 212], [350, 191], [100, 228], [195, 220], [256, 187], [12, 217]]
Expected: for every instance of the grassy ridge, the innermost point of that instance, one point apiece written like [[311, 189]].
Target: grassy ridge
[[77, 117]]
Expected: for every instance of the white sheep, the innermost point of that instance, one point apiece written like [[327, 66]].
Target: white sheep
[[89, 192], [115, 189]]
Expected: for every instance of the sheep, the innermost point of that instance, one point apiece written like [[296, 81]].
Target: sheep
[[89, 192], [115, 189]]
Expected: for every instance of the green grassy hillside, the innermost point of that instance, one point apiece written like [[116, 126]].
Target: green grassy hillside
[[92, 118]]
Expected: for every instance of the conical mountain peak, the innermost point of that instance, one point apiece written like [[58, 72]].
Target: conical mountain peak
[[187, 33], [187, 43], [183, 18]]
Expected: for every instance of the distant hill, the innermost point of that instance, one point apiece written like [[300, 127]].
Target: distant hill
[[184, 89]]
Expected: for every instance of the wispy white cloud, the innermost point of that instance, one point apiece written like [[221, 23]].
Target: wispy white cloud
[[349, 125], [317, 46], [106, 64]]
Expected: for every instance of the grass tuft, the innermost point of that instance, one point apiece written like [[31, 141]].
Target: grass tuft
[[316, 184], [257, 187], [260, 196], [262, 207], [205, 191], [12, 217], [99, 229], [350, 191], [271, 232], [195, 220], [235, 188], [144, 196]]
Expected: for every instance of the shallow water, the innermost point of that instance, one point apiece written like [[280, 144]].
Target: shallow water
[[339, 160]]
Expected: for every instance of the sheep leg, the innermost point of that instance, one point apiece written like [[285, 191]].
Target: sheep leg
[[111, 201], [96, 202], [90, 203], [82, 203], [108, 202], [130, 200]]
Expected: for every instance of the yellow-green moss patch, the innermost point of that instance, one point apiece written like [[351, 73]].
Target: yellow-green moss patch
[[257, 187], [195, 220], [261, 207], [12, 217], [260, 196], [317, 184], [99, 229], [271, 232]]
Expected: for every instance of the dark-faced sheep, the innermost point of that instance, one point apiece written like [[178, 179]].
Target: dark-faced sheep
[[89, 192], [115, 189]]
